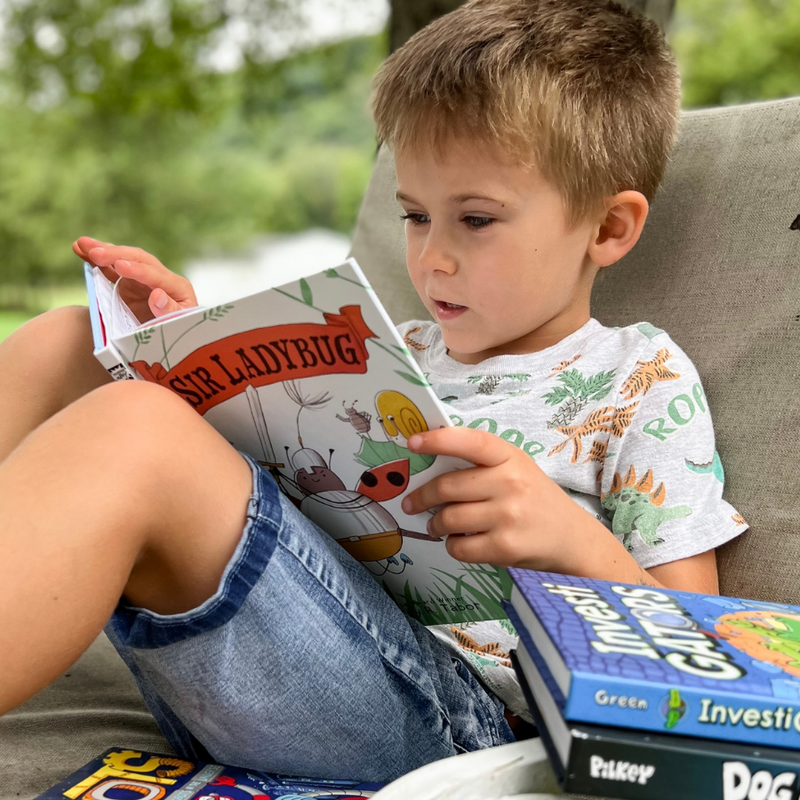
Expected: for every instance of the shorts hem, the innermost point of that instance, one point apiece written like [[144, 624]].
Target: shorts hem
[[144, 629]]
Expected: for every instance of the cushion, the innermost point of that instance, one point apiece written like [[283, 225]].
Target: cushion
[[93, 706], [717, 268]]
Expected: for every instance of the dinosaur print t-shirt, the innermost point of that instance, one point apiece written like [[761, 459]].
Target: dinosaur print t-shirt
[[615, 416]]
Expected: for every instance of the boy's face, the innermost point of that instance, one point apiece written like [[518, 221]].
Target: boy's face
[[490, 252]]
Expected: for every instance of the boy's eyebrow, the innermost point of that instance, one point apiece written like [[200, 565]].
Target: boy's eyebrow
[[456, 198]]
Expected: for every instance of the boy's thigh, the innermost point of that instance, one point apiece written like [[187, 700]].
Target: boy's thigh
[[301, 664]]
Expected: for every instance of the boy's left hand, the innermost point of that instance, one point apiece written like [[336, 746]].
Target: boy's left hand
[[518, 515]]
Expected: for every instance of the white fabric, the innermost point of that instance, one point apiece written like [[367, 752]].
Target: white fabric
[[615, 416]]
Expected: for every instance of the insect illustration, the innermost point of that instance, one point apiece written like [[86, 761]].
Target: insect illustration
[[355, 518], [360, 420]]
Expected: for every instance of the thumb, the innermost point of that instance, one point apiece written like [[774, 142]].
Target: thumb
[[161, 303]]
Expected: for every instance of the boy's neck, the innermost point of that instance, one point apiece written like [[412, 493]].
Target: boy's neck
[[545, 336]]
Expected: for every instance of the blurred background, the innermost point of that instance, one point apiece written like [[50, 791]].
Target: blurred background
[[227, 135]]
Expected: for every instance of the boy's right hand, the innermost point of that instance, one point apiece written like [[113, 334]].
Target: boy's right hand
[[150, 290]]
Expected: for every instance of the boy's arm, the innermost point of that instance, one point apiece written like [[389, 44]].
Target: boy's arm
[[520, 517]]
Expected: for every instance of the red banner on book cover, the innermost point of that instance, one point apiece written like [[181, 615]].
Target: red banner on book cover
[[223, 369]]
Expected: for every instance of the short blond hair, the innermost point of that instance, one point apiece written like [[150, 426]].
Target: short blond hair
[[585, 90]]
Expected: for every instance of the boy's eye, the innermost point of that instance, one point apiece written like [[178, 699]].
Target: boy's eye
[[416, 219], [478, 222]]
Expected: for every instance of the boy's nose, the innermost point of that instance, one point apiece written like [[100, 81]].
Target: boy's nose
[[437, 256]]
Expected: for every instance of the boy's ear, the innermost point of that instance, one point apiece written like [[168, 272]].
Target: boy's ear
[[620, 228]]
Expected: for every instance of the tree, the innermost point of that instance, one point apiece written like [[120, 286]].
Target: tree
[[734, 51]]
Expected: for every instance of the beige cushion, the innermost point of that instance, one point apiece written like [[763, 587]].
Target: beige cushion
[[93, 706], [717, 267]]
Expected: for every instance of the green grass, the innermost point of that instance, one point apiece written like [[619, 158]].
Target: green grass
[[36, 301], [10, 321]]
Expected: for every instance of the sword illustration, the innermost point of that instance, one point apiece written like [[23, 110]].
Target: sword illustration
[[257, 413]]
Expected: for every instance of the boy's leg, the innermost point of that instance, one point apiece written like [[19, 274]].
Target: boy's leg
[[126, 490], [45, 365], [273, 648]]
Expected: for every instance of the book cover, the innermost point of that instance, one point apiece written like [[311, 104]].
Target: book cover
[[663, 660], [312, 379], [126, 774], [632, 765]]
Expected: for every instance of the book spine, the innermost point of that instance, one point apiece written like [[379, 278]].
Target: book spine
[[631, 770], [114, 363], [687, 711]]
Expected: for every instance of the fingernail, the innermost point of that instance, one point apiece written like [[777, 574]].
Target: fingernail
[[162, 300], [428, 528], [406, 505], [414, 442]]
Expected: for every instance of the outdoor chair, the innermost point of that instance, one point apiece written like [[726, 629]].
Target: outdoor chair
[[717, 267]]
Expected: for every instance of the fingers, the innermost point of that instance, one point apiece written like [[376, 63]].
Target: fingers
[[480, 447], [160, 303], [155, 275], [465, 485]]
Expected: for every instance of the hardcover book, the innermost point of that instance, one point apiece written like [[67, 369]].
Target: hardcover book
[[312, 380], [126, 774], [636, 765], [662, 660]]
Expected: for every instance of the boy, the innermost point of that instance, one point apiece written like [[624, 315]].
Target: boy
[[528, 138]]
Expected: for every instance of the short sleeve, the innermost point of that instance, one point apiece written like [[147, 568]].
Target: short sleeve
[[662, 480]]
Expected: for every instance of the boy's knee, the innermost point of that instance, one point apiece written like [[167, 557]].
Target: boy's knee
[[140, 410], [66, 327]]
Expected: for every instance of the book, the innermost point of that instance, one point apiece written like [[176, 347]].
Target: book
[[663, 660], [312, 380], [636, 765], [128, 774]]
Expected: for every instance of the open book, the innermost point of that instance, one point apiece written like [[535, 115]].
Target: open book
[[312, 379]]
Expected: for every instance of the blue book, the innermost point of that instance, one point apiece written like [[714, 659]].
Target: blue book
[[663, 660]]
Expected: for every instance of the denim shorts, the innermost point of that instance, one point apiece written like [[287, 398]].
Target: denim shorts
[[300, 664]]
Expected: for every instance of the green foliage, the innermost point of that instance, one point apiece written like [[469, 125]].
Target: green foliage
[[575, 385], [734, 51], [112, 125]]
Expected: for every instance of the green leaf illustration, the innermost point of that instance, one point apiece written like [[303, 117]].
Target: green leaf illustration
[[143, 337], [556, 395], [305, 291], [573, 380], [599, 385], [518, 376], [474, 378], [417, 381], [331, 273], [217, 313]]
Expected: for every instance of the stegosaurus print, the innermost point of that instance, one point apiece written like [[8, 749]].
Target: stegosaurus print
[[631, 505], [647, 373]]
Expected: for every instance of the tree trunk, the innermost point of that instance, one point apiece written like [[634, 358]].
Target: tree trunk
[[659, 10], [408, 16]]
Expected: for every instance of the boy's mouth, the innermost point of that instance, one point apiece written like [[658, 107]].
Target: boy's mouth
[[448, 311]]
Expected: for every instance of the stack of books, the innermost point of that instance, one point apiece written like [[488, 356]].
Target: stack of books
[[656, 694]]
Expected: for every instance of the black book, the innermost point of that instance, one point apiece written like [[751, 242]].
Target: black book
[[640, 765]]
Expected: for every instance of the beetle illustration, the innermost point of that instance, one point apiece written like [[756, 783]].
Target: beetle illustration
[[355, 518]]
